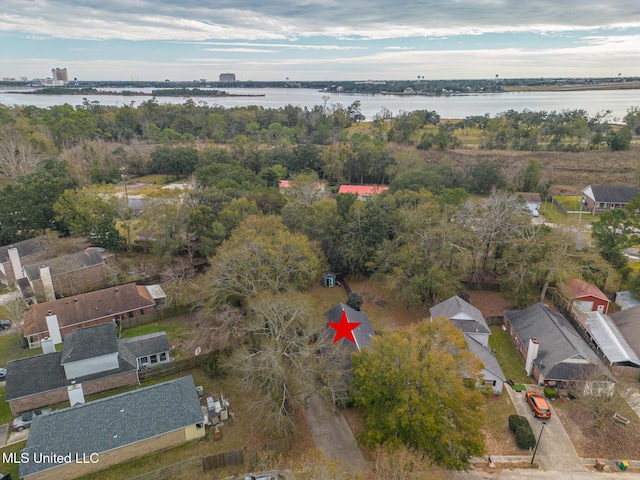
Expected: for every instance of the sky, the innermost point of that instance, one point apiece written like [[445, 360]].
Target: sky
[[276, 40]]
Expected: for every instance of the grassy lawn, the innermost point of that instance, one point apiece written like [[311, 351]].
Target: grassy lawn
[[11, 468], [507, 355], [5, 411], [11, 349], [497, 427]]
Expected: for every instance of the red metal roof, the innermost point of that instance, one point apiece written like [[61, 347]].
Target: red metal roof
[[362, 189], [581, 289]]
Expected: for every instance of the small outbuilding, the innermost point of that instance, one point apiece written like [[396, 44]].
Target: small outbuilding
[[585, 297], [329, 279]]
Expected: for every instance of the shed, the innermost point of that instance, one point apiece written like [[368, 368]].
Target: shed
[[585, 297], [329, 279]]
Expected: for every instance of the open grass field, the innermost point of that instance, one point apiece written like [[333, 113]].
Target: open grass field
[[11, 468]]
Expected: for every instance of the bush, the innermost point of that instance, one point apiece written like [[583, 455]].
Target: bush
[[516, 421], [354, 300], [525, 437], [550, 392]]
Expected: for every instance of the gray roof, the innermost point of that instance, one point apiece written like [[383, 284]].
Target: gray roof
[[558, 342], [362, 334], [42, 373], [628, 322], [626, 300], [486, 356], [64, 264], [455, 306], [609, 339], [25, 248], [614, 194], [144, 345], [89, 342], [113, 422]]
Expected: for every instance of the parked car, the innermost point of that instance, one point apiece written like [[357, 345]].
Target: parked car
[[535, 213], [538, 405], [20, 423], [3, 377], [5, 324]]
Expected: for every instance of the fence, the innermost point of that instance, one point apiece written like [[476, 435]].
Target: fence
[[175, 366], [560, 207], [154, 317], [211, 462], [189, 468]]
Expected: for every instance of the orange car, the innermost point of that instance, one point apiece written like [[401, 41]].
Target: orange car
[[539, 405]]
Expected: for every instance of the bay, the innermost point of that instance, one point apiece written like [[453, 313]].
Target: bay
[[447, 106]]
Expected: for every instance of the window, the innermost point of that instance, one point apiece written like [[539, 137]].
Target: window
[[163, 357], [143, 362], [154, 359]]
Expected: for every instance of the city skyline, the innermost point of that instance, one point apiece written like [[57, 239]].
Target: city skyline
[[312, 40]]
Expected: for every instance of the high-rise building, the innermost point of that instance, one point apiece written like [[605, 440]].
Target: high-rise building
[[60, 74], [227, 77]]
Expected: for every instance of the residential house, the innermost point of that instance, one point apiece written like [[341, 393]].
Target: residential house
[[628, 323], [465, 316], [63, 276], [14, 256], [362, 191], [531, 199], [582, 296], [112, 430], [554, 352], [602, 198], [91, 359], [56, 319], [363, 334], [476, 332]]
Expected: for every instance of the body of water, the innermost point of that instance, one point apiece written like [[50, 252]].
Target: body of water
[[450, 106]]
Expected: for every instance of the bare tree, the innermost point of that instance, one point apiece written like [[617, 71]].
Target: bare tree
[[18, 157]]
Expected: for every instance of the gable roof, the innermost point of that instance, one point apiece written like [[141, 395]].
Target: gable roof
[[89, 342], [558, 342], [530, 196], [362, 334], [25, 248], [486, 356], [454, 307], [362, 189], [144, 345], [113, 422], [581, 289], [609, 339], [611, 194], [105, 303], [64, 264], [628, 322], [42, 373]]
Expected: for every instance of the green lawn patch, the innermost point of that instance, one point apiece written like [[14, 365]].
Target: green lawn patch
[[518, 387], [11, 468], [5, 411], [570, 202], [11, 349], [510, 360]]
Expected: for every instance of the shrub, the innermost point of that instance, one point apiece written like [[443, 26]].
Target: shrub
[[525, 437], [550, 392], [516, 421], [354, 300]]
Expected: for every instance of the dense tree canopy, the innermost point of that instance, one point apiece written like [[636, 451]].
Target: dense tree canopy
[[417, 387]]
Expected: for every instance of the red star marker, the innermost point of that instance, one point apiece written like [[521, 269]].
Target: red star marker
[[344, 328]]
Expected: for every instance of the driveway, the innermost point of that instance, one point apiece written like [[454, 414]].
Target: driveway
[[332, 434], [555, 451]]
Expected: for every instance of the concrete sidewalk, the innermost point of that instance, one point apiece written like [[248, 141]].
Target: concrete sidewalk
[[332, 434]]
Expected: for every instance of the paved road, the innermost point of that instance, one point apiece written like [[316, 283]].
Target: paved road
[[555, 451], [332, 434], [536, 474]]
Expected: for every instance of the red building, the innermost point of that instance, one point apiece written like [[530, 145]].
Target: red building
[[585, 297]]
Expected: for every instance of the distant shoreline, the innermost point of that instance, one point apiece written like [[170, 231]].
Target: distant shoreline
[[575, 88], [173, 92]]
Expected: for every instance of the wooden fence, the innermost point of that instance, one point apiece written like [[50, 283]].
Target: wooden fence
[[175, 367], [211, 462], [560, 207]]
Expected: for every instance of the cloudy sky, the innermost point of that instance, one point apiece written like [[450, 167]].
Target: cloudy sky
[[319, 40]]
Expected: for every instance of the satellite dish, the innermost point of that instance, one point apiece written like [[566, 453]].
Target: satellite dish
[[198, 351]]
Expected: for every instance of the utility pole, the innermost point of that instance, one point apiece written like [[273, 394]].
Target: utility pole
[[544, 424]]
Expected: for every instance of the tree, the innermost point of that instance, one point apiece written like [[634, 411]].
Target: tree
[[619, 140], [354, 300], [611, 232], [105, 234], [280, 357], [418, 387], [81, 210], [178, 161], [485, 176], [261, 255]]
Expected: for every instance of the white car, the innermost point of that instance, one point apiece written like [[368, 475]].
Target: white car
[[535, 213]]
